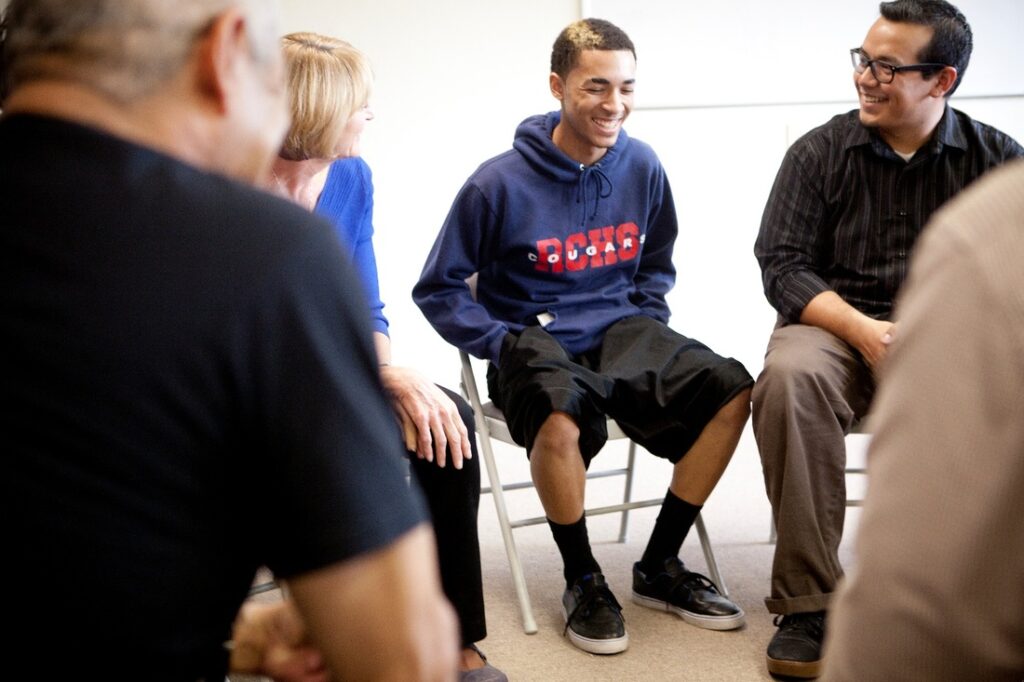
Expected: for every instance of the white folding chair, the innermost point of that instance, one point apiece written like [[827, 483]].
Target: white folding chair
[[490, 424]]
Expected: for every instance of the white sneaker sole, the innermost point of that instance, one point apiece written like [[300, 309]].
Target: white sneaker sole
[[596, 646], [700, 620]]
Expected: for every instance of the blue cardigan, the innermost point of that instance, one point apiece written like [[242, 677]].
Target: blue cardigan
[[347, 201]]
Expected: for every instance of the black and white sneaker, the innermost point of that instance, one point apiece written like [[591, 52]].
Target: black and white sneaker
[[593, 617], [691, 596]]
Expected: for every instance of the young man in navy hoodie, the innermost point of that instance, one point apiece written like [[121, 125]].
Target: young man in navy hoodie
[[571, 235]]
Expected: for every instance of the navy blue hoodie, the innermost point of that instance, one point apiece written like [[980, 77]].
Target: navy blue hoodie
[[575, 248]]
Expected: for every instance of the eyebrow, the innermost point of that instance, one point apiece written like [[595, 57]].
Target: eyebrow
[[604, 81], [882, 58]]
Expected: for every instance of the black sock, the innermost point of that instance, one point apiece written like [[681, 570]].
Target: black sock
[[574, 545], [674, 521]]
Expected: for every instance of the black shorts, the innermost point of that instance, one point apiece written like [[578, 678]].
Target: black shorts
[[661, 387]]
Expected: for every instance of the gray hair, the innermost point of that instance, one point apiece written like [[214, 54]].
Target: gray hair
[[123, 48]]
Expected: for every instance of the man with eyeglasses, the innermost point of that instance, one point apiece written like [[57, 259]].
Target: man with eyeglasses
[[848, 203]]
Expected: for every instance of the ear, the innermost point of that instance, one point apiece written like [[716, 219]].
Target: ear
[[947, 78], [217, 53], [557, 86]]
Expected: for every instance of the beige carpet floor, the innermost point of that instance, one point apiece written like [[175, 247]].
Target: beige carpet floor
[[662, 647]]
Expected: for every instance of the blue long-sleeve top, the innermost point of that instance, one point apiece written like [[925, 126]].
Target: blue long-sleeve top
[[347, 201], [573, 247]]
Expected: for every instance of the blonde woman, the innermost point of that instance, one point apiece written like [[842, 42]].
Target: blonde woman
[[329, 84]]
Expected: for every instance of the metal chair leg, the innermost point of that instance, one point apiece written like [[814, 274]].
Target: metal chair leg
[[497, 494], [628, 493], [709, 556]]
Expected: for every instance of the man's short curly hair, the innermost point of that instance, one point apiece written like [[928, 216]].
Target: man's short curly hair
[[586, 34]]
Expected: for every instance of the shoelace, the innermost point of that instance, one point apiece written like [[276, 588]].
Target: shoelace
[[597, 595], [811, 623], [692, 580]]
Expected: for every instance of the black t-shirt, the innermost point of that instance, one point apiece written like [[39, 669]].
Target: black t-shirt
[[188, 391]]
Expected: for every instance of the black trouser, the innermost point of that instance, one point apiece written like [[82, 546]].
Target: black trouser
[[453, 496]]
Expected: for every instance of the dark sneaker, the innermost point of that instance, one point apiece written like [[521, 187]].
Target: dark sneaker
[[689, 595], [593, 617], [795, 650]]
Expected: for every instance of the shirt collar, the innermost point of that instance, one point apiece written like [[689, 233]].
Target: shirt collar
[[948, 133]]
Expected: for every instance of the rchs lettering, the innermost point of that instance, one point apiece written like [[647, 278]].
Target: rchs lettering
[[593, 249]]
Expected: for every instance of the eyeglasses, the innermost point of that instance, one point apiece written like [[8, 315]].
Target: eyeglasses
[[885, 72]]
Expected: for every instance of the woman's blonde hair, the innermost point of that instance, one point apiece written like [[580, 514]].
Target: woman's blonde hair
[[328, 82]]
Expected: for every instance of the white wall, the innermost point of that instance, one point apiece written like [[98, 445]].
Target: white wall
[[454, 77], [740, 51]]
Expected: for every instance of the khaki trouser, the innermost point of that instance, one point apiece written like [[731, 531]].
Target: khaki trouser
[[813, 388]]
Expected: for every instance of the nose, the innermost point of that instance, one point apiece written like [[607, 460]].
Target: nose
[[866, 77], [613, 102]]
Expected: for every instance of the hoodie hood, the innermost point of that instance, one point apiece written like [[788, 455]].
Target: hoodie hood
[[533, 140]]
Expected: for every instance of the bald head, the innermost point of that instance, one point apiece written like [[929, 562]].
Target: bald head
[[122, 48], [201, 80]]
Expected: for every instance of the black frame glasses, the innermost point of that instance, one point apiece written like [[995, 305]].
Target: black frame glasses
[[884, 72]]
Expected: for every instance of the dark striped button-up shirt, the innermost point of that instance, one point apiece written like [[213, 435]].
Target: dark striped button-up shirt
[[846, 210]]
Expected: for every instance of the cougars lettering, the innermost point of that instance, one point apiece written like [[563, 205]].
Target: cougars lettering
[[593, 249]]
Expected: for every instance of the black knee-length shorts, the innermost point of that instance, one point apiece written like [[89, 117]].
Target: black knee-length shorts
[[661, 387]]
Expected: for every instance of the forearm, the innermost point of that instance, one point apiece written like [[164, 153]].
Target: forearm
[[270, 639], [382, 616], [460, 321], [830, 312], [382, 344], [869, 336], [650, 287], [656, 274], [445, 292]]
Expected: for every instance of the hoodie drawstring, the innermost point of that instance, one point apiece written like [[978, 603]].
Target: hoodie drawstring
[[602, 191]]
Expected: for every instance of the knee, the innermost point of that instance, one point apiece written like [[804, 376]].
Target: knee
[[559, 435], [465, 410], [734, 414], [466, 414], [785, 373]]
